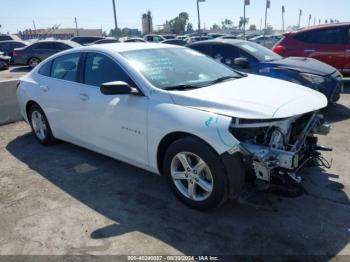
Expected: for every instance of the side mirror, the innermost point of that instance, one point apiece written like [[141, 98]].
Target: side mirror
[[241, 61], [118, 88]]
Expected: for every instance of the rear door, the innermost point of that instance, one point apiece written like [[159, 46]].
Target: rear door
[[59, 96], [326, 45]]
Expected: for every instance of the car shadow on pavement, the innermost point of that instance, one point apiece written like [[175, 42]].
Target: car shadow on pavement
[[21, 69], [336, 113], [315, 223]]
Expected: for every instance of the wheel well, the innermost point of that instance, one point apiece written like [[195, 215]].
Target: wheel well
[[166, 142], [28, 106]]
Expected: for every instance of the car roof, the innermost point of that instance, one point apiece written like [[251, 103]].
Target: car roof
[[68, 42], [220, 41], [123, 47], [13, 41], [324, 26]]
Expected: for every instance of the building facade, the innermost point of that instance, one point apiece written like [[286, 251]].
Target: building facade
[[147, 23]]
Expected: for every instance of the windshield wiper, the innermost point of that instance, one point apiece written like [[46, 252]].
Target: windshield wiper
[[181, 87], [224, 78]]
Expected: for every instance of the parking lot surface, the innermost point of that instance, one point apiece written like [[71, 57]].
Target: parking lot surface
[[13, 73], [67, 200]]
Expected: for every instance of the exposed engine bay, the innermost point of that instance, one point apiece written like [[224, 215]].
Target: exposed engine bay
[[276, 149]]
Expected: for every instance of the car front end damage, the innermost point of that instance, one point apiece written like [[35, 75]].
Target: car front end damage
[[277, 149]]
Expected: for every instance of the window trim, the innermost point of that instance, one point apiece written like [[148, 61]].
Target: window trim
[[83, 66]]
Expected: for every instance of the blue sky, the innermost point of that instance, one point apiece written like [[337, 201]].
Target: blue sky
[[96, 13]]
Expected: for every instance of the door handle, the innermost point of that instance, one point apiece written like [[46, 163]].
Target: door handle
[[309, 50], [44, 88], [84, 97]]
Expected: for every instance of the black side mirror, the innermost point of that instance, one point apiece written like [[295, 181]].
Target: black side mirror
[[118, 88], [242, 62]]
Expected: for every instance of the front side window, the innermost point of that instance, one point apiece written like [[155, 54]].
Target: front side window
[[101, 69], [66, 67], [167, 68], [259, 52], [225, 54]]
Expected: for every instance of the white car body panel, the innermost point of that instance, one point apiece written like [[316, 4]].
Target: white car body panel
[[130, 128]]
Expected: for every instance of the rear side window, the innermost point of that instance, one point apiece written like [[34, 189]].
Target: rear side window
[[324, 36], [45, 69], [101, 69], [61, 46], [66, 67], [43, 46]]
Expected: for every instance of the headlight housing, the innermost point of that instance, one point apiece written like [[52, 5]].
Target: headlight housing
[[314, 79]]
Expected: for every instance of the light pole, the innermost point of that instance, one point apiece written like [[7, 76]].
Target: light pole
[[115, 20], [283, 11], [310, 16], [300, 13], [246, 2], [199, 16], [268, 4], [76, 26]]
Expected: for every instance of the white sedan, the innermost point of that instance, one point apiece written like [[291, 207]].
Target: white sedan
[[174, 112]]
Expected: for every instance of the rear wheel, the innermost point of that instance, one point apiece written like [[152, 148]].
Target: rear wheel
[[40, 126], [195, 174], [33, 62]]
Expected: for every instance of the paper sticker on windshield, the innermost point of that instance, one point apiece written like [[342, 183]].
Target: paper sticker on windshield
[[193, 52], [249, 48]]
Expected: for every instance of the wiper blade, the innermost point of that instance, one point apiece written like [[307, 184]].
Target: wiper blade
[[181, 87], [224, 78]]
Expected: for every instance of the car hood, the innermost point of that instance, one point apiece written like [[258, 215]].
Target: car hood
[[253, 97], [303, 65]]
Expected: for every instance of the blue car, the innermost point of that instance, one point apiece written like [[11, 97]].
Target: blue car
[[253, 58]]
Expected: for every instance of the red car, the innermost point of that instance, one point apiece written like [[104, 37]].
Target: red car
[[328, 43]]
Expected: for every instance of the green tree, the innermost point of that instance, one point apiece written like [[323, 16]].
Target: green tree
[[189, 28], [178, 24], [242, 22], [252, 27], [215, 27], [227, 24]]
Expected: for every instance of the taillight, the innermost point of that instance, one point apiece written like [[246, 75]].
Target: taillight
[[278, 49], [17, 84], [16, 53]]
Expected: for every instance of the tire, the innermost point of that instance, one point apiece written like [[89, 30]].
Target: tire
[[33, 62], [40, 126], [213, 177]]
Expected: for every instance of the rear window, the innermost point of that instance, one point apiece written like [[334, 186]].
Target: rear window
[[323, 36]]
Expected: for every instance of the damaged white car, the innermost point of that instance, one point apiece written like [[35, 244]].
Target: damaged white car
[[176, 112]]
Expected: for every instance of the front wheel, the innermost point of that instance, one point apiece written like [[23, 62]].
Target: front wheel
[[196, 174]]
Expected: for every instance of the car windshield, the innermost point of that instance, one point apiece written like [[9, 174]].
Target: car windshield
[[260, 52], [169, 68]]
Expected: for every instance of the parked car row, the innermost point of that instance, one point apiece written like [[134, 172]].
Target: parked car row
[[253, 58], [179, 113], [328, 43]]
